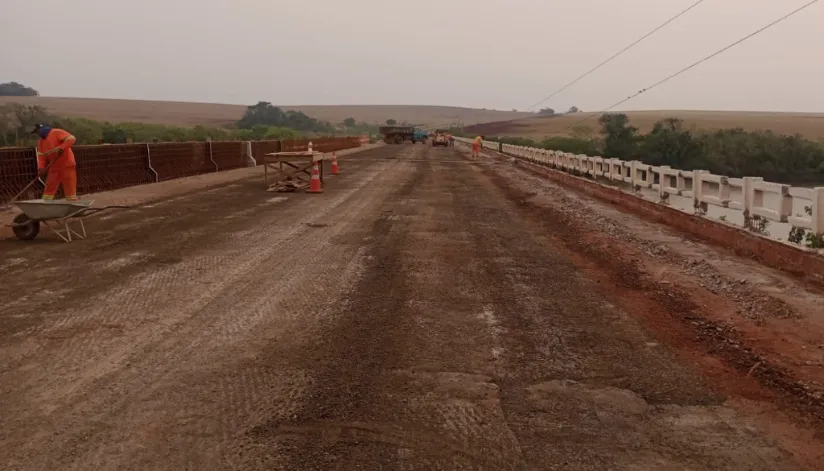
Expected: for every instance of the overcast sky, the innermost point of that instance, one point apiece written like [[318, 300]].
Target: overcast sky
[[499, 54]]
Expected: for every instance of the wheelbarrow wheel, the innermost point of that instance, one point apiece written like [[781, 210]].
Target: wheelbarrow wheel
[[25, 228]]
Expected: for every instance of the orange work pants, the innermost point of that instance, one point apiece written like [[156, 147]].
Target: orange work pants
[[67, 177]]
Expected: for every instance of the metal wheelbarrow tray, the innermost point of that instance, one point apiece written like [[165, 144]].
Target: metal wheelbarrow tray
[[56, 215]]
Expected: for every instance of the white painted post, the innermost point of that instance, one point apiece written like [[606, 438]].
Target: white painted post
[[211, 157], [248, 146], [149, 159]]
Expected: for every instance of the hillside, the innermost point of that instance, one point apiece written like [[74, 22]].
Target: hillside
[[810, 125], [213, 114]]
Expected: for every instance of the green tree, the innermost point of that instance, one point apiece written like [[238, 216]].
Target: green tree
[[391, 122], [620, 139], [669, 144], [547, 112], [17, 121], [16, 89], [263, 113], [573, 109], [349, 122]]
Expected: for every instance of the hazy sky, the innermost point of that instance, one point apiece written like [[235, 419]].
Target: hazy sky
[[478, 53]]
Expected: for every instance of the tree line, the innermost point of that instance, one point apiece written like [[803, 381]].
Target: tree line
[[17, 89], [260, 122], [732, 152]]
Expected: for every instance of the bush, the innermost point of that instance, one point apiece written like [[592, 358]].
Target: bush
[[730, 152], [265, 114]]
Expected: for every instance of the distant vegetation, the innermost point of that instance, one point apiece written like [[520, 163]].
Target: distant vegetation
[[16, 89], [731, 152], [261, 122], [264, 114]]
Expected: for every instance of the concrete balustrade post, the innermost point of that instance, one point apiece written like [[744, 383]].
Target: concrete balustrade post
[[785, 205], [680, 182], [818, 210], [698, 191], [748, 189], [663, 180]]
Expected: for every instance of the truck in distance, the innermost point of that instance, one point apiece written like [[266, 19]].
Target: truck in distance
[[399, 134], [441, 138]]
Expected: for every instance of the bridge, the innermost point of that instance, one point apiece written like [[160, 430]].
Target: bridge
[[527, 309]]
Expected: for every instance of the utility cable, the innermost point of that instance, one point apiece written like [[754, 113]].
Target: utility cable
[[618, 54], [660, 82]]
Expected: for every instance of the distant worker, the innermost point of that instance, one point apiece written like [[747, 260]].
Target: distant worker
[[476, 146], [451, 140], [55, 161]]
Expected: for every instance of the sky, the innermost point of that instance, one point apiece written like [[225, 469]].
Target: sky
[[497, 54]]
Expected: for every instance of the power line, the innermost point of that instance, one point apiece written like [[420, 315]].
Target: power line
[[618, 54], [660, 82]]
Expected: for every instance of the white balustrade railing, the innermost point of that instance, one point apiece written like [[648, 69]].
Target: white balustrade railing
[[751, 195]]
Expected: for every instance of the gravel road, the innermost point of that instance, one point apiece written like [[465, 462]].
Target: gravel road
[[410, 318]]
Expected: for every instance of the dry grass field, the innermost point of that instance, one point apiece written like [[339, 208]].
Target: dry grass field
[[213, 114], [810, 125]]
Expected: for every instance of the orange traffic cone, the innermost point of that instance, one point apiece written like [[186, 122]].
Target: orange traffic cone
[[335, 168], [314, 182]]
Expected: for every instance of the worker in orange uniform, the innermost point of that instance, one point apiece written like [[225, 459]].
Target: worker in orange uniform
[[55, 161], [476, 146]]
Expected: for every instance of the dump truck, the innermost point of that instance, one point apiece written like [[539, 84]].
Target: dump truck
[[397, 134], [420, 136]]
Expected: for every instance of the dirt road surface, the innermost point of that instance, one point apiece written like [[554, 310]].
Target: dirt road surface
[[411, 317]]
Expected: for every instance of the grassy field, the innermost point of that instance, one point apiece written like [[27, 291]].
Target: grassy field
[[810, 125], [212, 114]]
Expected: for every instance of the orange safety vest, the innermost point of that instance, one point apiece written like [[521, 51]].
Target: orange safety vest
[[47, 150]]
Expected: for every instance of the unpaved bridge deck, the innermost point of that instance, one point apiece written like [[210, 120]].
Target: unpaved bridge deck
[[411, 317]]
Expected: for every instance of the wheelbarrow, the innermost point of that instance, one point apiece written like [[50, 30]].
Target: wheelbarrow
[[57, 215]]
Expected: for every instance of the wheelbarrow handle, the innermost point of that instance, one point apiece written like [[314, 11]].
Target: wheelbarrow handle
[[35, 179], [25, 189]]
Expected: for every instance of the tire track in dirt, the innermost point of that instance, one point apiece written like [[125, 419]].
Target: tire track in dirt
[[450, 334], [471, 344], [257, 281], [676, 315]]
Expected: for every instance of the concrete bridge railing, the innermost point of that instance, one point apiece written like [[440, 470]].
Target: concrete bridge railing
[[696, 190], [730, 212]]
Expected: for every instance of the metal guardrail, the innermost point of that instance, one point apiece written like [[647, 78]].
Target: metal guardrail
[[113, 166]]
